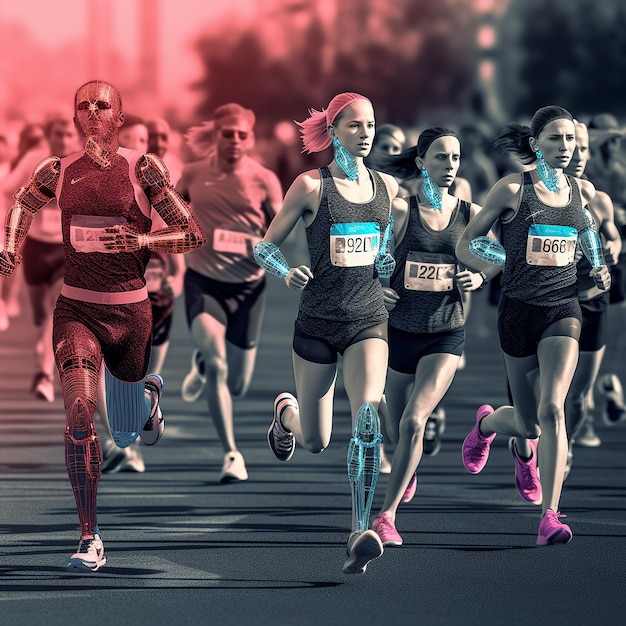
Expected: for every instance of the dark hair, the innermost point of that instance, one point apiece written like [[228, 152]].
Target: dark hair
[[53, 119], [403, 165], [131, 120], [429, 135], [515, 137]]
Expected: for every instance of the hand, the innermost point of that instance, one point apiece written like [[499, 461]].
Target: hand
[[578, 253], [119, 238], [612, 252], [298, 277], [601, 276], [469, 281], [385, 264], [8, 263], [390, 298]]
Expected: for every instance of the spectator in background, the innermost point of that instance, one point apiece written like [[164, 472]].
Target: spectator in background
[[159, 143]]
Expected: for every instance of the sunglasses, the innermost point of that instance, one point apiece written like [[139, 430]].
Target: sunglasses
[[230, 134]]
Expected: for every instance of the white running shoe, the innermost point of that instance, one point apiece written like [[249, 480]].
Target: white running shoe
[[281, 441], [127, 459], [234, 467], [89, 557], [363, 547], [155, 425], [195, 381]]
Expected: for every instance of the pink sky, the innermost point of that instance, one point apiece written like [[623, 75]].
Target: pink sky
[[59, 21]]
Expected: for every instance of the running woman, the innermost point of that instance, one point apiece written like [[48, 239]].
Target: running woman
[[345, 208], [424, 299], [540, 216]]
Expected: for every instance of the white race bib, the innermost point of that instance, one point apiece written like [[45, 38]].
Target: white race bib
[[87, 232], [234, 242], [355, 244], [552, 246], [425, 271]]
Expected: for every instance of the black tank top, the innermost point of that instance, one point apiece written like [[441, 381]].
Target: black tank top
[[423, 311], [343, 293], [537, 284]]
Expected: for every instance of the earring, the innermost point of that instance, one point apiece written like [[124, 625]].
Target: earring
[[431, 191], [345, 161], [547, 173]]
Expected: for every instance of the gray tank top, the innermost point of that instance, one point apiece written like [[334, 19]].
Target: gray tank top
[[344, 293], [537, 284], [422, 254]]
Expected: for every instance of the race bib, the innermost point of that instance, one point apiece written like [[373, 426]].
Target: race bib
[[355, 244], [552, 246], [234, 242], [425, 271], [88, 231]]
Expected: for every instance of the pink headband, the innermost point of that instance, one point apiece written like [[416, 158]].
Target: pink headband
[[314, 129]]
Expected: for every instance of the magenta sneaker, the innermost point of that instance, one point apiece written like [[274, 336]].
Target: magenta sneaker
[[552, 531], [386, 530], [409, 492], [475, 446], [527, 473]]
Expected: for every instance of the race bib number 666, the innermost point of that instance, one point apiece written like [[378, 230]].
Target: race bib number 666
[[355, 244], [549, 245]]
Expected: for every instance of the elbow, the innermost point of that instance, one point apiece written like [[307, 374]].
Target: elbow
[[196, 240]]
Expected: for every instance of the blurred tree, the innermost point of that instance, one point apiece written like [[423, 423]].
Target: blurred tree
[[567, 52], [412, 58]]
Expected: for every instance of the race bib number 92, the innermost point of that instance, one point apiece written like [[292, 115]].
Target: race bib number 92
[[355, 244]]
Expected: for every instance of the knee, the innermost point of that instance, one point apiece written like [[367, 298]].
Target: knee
[[532, 432], [550, 415], [412, 426], [315, 446], [79, 418], [216, 367], [238, 386]]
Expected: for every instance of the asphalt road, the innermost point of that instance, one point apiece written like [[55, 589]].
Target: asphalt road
[[184, 549]]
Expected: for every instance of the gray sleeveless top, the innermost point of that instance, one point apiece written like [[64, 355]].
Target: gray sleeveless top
[[427, 311], [343, 293], [537, 284]]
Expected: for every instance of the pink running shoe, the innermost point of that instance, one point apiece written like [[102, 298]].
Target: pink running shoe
[[409, 492], [527, 473], [386, 530], [552, 531], [476, 447]]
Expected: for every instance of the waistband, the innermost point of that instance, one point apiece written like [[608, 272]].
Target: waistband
[[101, 297]]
